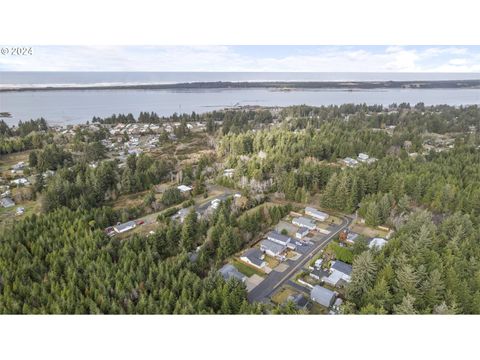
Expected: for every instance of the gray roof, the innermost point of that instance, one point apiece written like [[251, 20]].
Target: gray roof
[[304, 222], [322, 295], [124, 226], [342, 267], [272, 246], [254, 255], [302, 230], [351, 236], [229, 271], [316, 212], [275, 236], [7, 202]]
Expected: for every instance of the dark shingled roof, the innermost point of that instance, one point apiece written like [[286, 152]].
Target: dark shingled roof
[[254, 255], [342, 267]]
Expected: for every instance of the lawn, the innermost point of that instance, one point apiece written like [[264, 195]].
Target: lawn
[[282, 295], [317, 309], [245, 269], [271, 262]]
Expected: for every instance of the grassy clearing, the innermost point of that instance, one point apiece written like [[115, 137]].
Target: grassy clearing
[[7, 161], [130, 200], [245, 269], [282, 295], [368, 231]]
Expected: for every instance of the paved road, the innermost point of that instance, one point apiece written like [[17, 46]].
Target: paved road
[[276, 279]]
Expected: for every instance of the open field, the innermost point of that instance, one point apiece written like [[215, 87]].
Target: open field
[[368, 231], [129, 200], [7, 215]]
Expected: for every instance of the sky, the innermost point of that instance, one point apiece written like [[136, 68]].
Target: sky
[[261, 58]]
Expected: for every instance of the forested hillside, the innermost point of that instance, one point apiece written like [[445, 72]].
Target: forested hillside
[[60, 263]]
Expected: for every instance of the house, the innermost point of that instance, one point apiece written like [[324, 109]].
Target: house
[[20, 181], [272, 248], [323, 296], [184, 188], [334, 279], [300, 301], [19, 166], [350, 162], [339, 272], [304, 222], [278, 238], [215, 203], [363, 157], [351, 237], [301, 232], [7, 202], [281, 239], [229, 271], [121, 228], [317, 273], [377, 243], [229, 172], [254, 257], [318, 215]]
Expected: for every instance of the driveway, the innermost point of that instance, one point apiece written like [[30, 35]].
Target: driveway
[[252, 282]]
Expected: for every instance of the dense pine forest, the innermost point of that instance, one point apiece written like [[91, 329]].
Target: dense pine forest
[[424, 184]]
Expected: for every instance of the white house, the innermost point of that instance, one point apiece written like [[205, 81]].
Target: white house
[[304, 222], [184, 188], [301, 232], [338, 271], [228, 172], [316, 214], [272, 248], [377, 243], [363, 157], [121, 228], [254, 257], [20, 181], [281, 239], [350, 162]]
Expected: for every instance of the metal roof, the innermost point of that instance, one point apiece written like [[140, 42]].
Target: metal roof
[[322, 295], [304, 222], [124, 226]]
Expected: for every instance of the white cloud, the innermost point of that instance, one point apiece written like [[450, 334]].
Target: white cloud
[[226, 58]]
